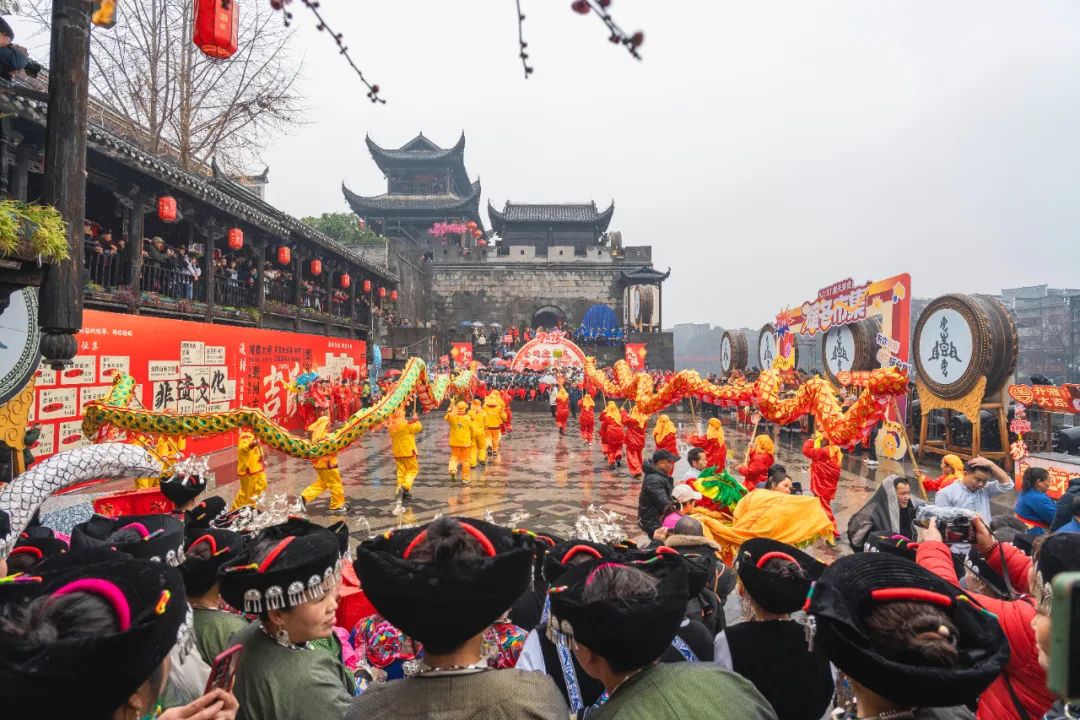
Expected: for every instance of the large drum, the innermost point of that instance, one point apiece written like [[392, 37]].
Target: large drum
[[850, 347], [960, 338], [734, 352], [767, 347]]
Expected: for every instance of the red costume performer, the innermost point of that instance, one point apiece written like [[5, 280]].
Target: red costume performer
[[612, 434], [507, 399], [712, 442], [824, 474], [762, 457], [664, 435], [562, 410], [635, 441], [586, 417]]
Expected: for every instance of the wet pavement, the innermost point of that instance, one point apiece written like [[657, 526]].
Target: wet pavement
[[542, 480]]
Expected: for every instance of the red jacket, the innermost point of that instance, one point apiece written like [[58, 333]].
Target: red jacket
[[635, 433], [611, 433], [824, 473], [756, 470], [670, 443], [715, 452], [1027, 678]]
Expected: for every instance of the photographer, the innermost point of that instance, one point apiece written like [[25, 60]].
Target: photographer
[[982, 480], [1020, 692], [14, 58]]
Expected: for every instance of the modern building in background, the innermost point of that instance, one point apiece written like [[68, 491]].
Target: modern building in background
[[1048, 325]]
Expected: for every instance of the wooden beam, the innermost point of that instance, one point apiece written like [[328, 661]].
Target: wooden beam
[[259, 245], [61, 295]]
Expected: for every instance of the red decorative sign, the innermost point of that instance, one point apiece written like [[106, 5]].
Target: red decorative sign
[[548, 351], [183, 367], [841, 303], [635, 356], [462, 352], [1053, 398]]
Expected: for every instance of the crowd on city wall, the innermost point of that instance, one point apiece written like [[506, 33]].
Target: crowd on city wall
[[191, 614]]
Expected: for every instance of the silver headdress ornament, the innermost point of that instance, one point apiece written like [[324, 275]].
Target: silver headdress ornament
[[193, 466], [264, 514], [600, 525]]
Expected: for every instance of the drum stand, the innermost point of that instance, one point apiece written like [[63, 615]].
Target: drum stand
[[970, 406]]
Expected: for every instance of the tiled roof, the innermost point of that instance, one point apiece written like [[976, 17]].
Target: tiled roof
[[551, 213], [366, 205], [645, 273], [419, 149]]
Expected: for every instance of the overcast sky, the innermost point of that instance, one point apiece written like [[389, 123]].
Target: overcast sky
[[764, 149]]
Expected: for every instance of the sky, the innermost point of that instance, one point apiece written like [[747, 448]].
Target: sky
[[763, 149]]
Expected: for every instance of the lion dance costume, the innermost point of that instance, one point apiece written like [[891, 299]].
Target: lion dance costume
[[587, 417], [612, 434], [762, 456], [461, 440], [664, 435], [825, 465], [403, 445], [326, 470], [712, 442], [249, 470]]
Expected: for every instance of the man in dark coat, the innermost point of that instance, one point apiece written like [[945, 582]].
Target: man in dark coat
[[656, 487], [1065, 503]]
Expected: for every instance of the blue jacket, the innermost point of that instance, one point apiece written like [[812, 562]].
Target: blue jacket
[[1035, 505], [1064, 504]]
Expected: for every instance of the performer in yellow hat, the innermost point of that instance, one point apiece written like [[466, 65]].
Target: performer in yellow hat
[[461, 440], [326, 468], [403, 444], [494, 418], [479, 434], [249, 469]]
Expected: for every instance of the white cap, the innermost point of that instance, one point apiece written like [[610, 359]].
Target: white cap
[[684, 493]]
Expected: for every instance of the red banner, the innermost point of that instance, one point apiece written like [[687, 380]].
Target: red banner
[[547, 351], [462, 353], [183, 367], [1053, 398], [635, 356]]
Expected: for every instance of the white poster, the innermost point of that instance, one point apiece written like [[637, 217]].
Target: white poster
[[214, 355], [71, 436], [93, 392], [46, 444], [158, 370], [46, 376], [54, 404], [115, 365], [192, 352], [83, 371]]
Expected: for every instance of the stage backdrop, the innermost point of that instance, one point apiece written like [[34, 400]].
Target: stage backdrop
[[183, 367], [548, 351]]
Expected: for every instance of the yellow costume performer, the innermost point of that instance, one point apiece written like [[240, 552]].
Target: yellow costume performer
[[794, 519], [249, 469], [495, 418], [479, 434], [461, 440], [403, 445], [169, 449], [326, 468]]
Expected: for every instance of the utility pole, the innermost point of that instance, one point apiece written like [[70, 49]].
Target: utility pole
[[61, 295]]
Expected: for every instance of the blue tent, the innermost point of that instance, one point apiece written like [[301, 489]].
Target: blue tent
[[599, 318]]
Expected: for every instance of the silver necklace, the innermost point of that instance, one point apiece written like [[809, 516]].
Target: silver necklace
[[471, 669]]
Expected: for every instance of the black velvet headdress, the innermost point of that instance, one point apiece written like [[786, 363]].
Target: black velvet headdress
[[205, 512], [557, 560], [443, 604], [303, 565], [157, 537], [200, 574], [770, 590], [29, 552], [633, 631], [94, 675], [1058, 553], [851, 586], [186, 481]]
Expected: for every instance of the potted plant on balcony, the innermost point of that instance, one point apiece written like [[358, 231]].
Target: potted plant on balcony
[[32, 233]]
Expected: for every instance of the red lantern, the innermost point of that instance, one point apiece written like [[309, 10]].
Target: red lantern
[[382, 293], [346, 281], [216, 27], [236, 239], [481, 243], [471, 225], [316, 267], [367, 286], [393, 295], [284, 255], [477, 234], [166, 208]]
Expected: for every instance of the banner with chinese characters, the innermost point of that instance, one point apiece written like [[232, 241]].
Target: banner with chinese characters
[[462, 353], [183, 367], [1052, 398], [548, 351], [1062, 469], [635, 356], [881, 307]]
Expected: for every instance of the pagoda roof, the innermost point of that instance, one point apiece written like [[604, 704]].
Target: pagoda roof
[[421, 151], [551, 214], [396, 203], [644, 274]]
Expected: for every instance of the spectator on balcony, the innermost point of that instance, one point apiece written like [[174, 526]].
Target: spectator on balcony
[[156, 252]]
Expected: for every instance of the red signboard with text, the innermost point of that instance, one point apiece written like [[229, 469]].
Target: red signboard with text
[[635, 356], [183, 367], [462, 353]]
